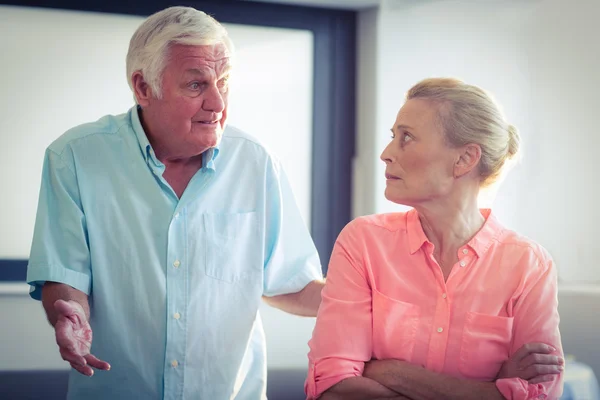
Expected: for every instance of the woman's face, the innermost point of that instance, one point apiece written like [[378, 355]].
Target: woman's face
[[420, 166]]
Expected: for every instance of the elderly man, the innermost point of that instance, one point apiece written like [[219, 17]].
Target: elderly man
[[160, 231]]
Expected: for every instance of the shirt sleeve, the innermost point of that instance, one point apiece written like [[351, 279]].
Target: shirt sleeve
[[291, 259], [342, 338], [536, 320], [59, 251]]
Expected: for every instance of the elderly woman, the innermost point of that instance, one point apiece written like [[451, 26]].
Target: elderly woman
[[442, 301]]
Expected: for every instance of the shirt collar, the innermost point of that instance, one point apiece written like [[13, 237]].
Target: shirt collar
[[208, 157], [488, 233], [142, 139], [482, 240], [416, 236]]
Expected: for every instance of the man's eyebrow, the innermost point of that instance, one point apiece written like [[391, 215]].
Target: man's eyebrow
[[196, 71]]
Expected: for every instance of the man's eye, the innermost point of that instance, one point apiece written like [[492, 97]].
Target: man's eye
[[194, 86]]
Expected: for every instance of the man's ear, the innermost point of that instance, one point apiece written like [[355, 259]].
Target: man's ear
[[468, 159], [141, 89]]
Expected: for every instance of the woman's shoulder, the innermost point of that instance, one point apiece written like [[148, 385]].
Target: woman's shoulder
[[378, 228], [518, 243], [388, 221]]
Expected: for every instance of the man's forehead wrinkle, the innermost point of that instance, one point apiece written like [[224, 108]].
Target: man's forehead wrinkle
[[214, 53]]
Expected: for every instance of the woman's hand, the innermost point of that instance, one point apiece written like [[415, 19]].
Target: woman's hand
[[533, 363]]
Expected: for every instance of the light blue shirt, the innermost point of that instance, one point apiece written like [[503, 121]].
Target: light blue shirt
[[174, 284]]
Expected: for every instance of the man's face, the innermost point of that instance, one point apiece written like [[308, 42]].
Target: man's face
[[190, 116]]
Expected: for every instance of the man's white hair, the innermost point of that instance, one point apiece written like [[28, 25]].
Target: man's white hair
[[149, 45]]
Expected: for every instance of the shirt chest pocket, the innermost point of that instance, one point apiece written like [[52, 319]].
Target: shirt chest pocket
[[395, 325], [485, 345], [233, 246]]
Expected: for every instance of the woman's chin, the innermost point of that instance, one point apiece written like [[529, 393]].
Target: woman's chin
[[398, 198], [392, 196]]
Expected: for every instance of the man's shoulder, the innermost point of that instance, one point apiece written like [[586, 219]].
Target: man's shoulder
[[235, 137], [106, 125]]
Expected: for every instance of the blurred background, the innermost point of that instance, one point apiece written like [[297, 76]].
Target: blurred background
[[329, 76]]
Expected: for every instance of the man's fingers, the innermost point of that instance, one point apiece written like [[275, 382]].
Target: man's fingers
[[84, 370], [96, 363], [529, 348], [72, 357], [542, 378], [537, 358]]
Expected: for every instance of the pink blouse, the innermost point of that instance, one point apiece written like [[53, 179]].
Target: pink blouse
[[385, 297]]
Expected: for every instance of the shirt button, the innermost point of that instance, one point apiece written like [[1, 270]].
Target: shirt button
[[176, 264], [462, 263], [465, 251], [176, 315], [176, 215], [440, 330], [444, 295], [174, 363]]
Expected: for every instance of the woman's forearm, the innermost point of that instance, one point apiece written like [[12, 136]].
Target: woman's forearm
[[359, 388], [418, 383]]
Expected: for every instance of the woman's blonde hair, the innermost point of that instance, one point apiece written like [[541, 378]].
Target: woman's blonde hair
[[468, 114]]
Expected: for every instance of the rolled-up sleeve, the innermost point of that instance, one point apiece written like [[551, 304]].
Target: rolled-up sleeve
[[536, 319], [291, 258], [342, 339], [59, 251]]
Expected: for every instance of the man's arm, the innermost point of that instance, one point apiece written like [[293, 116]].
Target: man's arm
[[60, 253], [418, 383], [293, 277], [304, 303], [68, 311], [53, 291]]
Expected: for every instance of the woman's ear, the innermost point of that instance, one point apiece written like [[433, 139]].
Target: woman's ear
[[468, 159]]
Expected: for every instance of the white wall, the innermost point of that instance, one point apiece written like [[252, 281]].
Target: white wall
[[540, 58], [58, 75]]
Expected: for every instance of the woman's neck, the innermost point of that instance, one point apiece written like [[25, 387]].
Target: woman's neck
[[452, 224]]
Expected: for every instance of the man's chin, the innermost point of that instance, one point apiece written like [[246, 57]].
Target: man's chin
[[215, 139], [208, 138], [209, 144]]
